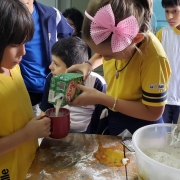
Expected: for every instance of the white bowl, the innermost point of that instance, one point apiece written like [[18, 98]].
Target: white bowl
[[153, 136]]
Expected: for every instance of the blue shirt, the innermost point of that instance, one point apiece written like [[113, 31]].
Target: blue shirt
[[50, 26], [34, 68]]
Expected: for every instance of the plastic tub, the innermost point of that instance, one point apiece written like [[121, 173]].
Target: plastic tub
[[153, 136]]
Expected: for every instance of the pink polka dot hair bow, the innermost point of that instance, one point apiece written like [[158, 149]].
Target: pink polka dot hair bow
[[103, 24]]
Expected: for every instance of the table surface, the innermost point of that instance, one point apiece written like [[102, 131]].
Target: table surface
[[75, 157]]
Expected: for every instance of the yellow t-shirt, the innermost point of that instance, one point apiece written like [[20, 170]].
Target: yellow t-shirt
[[159, 33], [15, 112], [144, 79]]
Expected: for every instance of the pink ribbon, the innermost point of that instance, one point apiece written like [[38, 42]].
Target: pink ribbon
[[103, 24]]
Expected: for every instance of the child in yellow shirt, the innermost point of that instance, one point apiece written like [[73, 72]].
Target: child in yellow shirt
[[136, 69], [19, 129]]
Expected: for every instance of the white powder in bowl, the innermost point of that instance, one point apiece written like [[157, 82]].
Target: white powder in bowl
[[169, 156]]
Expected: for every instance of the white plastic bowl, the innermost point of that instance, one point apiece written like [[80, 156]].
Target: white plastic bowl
[[153, 136]]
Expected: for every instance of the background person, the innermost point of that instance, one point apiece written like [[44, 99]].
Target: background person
[[135, 65], [65, 53], [50, 25], [170, 38], [75, 19], [19, 130]]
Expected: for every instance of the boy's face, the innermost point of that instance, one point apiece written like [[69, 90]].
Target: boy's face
[[12, 55], [173, 16], [57, 66]]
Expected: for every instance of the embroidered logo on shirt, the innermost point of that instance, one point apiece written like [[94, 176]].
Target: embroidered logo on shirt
[[156, 86], [5, 175]]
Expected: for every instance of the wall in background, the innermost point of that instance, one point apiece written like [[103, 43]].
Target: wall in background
[[159, 19], [64, 4], [80, 4], [53, 3]]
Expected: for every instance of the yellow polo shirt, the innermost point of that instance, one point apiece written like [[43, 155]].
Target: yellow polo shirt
[[144, 79], [15, 112]]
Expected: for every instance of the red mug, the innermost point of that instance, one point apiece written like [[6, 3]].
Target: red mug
[[60, 125]]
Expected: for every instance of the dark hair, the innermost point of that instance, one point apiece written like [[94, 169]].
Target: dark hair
[[140, 9], [71, 50], [75, 16], [170, 3], [16, 24]]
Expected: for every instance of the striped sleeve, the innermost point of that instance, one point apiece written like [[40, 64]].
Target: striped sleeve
[[155, 97], [155, 78]]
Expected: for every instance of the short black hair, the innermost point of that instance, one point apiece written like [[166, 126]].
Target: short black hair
[[16, 24], [170, 3], [71, 50], [75, 16]]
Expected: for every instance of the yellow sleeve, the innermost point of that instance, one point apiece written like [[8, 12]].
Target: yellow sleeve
[[155, 77], [159, 35]]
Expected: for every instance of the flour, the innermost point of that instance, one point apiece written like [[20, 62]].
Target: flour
[[175, 137], [125, 161], [169, 156]]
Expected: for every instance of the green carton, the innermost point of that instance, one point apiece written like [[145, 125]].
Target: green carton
[[63, 87]]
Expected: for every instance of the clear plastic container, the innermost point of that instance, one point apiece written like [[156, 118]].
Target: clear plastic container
[[153, 136]]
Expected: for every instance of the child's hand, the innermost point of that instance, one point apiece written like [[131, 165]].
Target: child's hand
[[84, 68], [38, 128], [89, 96]]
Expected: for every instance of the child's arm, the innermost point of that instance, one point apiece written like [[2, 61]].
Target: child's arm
[[96, 61], [34, 129], [135, 109], [131, 108]]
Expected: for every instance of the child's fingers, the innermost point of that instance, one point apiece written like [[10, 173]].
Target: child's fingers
[[80, 87], [72, 68], [38, 117], [75, 102], [85, 76], [46, 120]]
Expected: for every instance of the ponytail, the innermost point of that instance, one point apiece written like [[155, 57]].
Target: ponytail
[[147, 9]]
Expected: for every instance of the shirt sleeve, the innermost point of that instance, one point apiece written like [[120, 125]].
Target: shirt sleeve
[[99, 85], [63, 28], [159, 35], [44, 105], [155, 74]]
